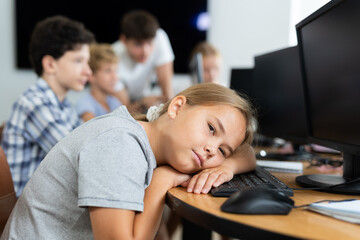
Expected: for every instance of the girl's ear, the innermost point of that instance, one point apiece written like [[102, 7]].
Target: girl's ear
[[175, 105], [48, 64]]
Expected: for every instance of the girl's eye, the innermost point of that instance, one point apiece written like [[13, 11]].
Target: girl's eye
[[222, 151], [212, 129]]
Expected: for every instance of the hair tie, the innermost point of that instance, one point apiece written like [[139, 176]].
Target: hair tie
[[153, 112]]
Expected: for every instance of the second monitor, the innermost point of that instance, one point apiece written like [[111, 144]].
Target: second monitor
[[279, 96], [196, 68]]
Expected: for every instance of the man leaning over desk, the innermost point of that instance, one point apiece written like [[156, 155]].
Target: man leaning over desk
[[145, 53]]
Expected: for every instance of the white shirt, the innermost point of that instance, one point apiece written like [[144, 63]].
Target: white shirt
[[137, 77]]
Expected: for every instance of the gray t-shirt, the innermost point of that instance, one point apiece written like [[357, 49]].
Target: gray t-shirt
[[106, 162]]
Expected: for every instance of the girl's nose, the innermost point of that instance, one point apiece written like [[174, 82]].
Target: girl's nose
[[210, 150]]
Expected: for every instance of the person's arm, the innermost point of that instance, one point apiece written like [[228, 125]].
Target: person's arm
[[165, 74], [110, 223], [123, 96], [139, 106], [243, 160], [86, 116]]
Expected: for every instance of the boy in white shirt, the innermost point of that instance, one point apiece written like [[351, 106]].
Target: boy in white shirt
[[146, 54]]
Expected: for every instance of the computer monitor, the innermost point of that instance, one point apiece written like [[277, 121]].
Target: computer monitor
[[196, 68], [329, 42], [279, 97], [241, 80]]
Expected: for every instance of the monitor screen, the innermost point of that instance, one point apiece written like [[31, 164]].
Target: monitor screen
[[279, 96], [196, 68], [241, 80], [330, 56]]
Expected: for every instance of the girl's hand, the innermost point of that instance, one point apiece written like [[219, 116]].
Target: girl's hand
[[208, 178], [242, 160], [170, 177]]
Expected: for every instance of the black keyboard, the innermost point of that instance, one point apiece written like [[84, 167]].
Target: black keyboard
[[257, 178]]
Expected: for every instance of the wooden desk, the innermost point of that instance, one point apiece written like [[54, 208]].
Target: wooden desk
[[204, 210]]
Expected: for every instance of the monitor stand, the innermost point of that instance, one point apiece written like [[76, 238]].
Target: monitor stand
[[324, 181], [299, 154], [350, 178]]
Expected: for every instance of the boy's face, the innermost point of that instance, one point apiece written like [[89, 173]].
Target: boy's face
[[72, 70], [105, 78], [201, 137], [139, 50]]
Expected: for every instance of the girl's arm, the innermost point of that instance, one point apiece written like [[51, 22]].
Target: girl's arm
[[243, 160], [110, 223]]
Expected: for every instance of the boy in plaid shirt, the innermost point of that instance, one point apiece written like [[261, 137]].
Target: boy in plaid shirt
[[59, 53]]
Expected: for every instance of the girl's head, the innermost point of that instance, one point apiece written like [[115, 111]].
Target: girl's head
[[202, 126], [211, 59], [104, 64], [208, 94]]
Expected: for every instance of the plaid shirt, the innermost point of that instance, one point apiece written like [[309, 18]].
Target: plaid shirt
[[37, 122]]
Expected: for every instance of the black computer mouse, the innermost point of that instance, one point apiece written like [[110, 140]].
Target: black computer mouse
[[258, 201]]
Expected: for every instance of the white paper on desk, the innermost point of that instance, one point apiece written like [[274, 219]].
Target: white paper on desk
[[348, 210], [281, 166]]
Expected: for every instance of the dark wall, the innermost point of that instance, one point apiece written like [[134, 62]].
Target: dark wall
[[103, 18]]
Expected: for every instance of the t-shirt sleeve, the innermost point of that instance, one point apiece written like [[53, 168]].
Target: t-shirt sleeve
[[164, 52], [85, 104], [112, 171]]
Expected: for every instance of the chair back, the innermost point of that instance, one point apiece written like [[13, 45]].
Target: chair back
[[7, 191], [2, 126]]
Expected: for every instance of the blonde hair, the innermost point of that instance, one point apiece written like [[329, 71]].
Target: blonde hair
[[101, 53], [215, 94], [206, 49]]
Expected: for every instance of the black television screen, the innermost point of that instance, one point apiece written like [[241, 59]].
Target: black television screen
[[279, 95], [180, 19], [330, 56]]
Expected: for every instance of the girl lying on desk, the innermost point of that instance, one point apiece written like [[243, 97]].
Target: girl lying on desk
[[95, 183]]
